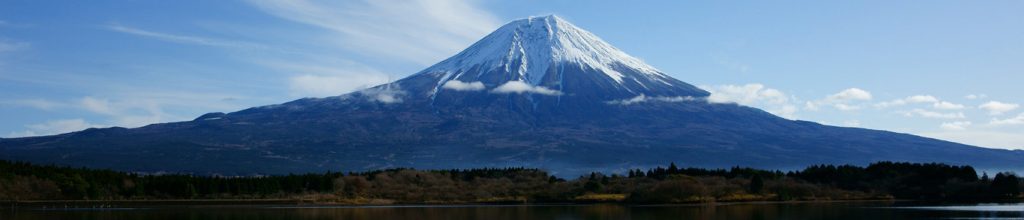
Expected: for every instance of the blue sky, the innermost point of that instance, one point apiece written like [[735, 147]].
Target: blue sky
[[946, 69]]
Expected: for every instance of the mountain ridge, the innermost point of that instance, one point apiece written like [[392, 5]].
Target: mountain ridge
[[478, 109]]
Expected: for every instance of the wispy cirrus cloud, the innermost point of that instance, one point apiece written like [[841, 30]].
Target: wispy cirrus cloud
[[419, 31], [932, 114], [8, 46], [975, 96], [1018, 120], [147, 107], [944, 105], [313, 75], [183, 39], [317, 77], [124, 110], [55, 127], [36, 103], [908, 100], [956, 125], [980, 137], [921, 99]]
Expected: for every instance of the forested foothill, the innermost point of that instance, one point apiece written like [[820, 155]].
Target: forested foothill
[[21, 181]]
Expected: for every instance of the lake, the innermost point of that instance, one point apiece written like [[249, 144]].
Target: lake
[[827, 210]]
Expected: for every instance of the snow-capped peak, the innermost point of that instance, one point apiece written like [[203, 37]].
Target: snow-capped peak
[[538, 42], [551, 55]]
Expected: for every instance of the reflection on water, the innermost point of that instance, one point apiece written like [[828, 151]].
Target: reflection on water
[[976, 208], [978, 211], [838, 210]]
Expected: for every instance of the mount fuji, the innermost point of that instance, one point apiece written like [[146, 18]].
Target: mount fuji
[[537, 92]]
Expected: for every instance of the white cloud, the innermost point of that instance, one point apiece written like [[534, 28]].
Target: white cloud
[[843, 100], [387, 93], [810, 105], [931, 114], [786, 111], [907, 100], [520, 87], [976, 96], [313, 85], [55, 127], [851, 123], [319, 77], [1019, 120], [756, 95], [851, 94], [846, 107], [748, 94], [183, 39], [922, 99], [8, 46], [463, 86], [146, 108], [420, 31], [955, 126], [41, 104], [998, 108], [95, 105], [644, 98], [944, 105], [936, 103], [132, 107], [982, 138], [896, 102], [8, 24]]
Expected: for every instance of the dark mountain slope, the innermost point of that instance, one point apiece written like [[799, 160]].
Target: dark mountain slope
[[537, 92]]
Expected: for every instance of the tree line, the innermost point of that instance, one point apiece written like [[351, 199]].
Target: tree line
[[881, 180]]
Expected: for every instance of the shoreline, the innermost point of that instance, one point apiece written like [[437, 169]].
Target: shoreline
[[120, 204], [59, 205]]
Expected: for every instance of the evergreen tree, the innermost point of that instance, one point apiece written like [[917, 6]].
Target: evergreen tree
[[1005, 185], [190, 191], [756, 184], [592, 186]]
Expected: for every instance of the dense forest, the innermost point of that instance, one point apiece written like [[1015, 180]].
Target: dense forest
[[883, 180]]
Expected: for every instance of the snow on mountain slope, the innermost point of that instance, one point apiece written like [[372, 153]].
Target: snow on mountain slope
[[538, 51]]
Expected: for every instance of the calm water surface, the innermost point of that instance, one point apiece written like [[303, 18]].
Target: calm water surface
[[843, 210]]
